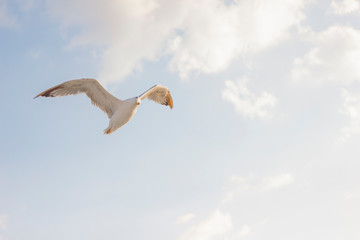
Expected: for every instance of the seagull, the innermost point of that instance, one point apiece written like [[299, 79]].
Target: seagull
[[118, 111]]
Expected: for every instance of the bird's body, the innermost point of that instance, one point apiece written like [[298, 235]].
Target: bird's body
[[119, 111], [124, 112]]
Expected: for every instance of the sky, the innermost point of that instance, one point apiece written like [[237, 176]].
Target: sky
[[262, 142]]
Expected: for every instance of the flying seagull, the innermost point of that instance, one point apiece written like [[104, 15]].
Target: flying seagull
[[119, 111]]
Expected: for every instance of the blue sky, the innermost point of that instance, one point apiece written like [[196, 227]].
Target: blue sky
[[262, 142]]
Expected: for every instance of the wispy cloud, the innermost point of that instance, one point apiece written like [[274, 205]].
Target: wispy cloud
[[220, 224], [351, 109], [7, 20], [345, 6], [334, 57], [217, 225], [247, 103], [257, 184], [277, 181], [28, 5], [245, 231], [185, 218], [3, 221]]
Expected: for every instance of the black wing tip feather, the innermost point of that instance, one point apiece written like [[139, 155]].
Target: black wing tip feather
[[47, 93]]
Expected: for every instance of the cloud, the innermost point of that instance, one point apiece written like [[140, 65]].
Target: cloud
[[213, 37], [6, 19], [3, 221], [125, 32], [351, 109], [334, 57], [216, 225], [186, 218], [257, 184], [247, 103], [345, 6], [245, 231], [274, 182], [28, 5], [220, 225], [198, 36]]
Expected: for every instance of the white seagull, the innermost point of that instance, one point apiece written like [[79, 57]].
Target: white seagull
[[119, 111]]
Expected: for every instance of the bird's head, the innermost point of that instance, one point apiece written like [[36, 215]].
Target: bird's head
[[138, 101]]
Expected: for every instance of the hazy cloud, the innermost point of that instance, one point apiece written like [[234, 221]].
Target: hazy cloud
[[186, 218], [257, 184], [245, 231], [6, 19], [277, 181], [3, 221], [335, 57], [351, 109], [345, 6], [247, 103], [219, 225], [216, 225]]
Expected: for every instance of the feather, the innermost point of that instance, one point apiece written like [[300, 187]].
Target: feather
[[91, 87]]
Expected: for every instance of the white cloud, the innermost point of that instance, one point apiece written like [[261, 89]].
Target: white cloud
[[274, 182], [229, 197], [217, 225], [247, 103], [351, 109], [186, 218], [242, 184], [200, 36], [124, 32], [3, 221], [216, 33], [6, 19], [334, 57], [245, 231], [256, 184], [345, 6]]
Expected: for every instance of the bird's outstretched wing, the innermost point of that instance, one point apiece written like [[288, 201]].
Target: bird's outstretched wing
[[159, 94], [91, 87]]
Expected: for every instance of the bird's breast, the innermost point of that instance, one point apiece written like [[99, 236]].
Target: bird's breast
[[123, 114]]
